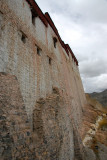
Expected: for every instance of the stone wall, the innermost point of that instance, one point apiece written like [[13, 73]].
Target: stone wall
[[15, 133], [52, 135], [21, 59], [27, 52]]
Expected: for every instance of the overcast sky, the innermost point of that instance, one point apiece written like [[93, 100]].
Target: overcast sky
[[83, 25]]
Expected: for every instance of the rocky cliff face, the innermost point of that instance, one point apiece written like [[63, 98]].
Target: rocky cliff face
[[52, 129], [100, 97]]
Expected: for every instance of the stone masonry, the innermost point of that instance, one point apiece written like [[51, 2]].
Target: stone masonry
[[41, 93]]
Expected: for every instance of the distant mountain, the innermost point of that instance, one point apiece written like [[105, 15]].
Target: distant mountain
[[100, 96]]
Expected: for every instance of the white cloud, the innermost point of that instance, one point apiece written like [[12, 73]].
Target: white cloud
[[83, 24], [95, 84], [90, 69]]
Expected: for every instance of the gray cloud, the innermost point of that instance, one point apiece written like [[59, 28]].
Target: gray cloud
[[93, 68], [83, 24], [95, 83]]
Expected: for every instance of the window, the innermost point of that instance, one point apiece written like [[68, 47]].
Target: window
[[54, 41], [38, 50], [23, 37], [96, 147], [50, 60], [33, 20], [34, 15]]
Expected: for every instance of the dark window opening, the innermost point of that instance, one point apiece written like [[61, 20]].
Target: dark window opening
[[55, 41], [38, 51], [96, 147], [50, 60], [34, 15], [33, 20], [23, 38]]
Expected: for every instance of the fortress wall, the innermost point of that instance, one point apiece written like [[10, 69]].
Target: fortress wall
[[49, 80], [35, 75]]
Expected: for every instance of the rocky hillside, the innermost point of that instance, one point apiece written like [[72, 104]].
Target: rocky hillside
[[101, 97], [95, 130]]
